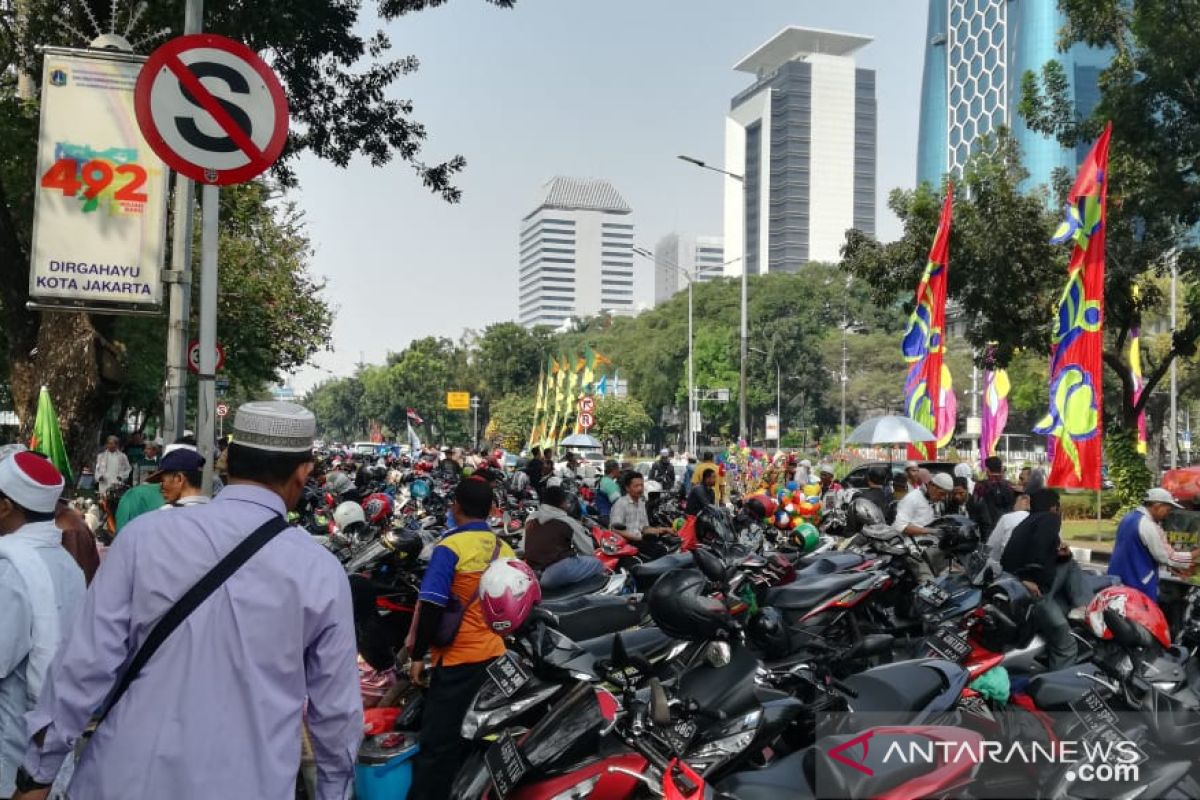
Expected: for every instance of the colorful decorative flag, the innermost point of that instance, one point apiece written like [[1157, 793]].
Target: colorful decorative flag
[[1139, 380], [1076, 391], [996, 387], [923, 345], [947, 409], [556, 372], [538, 405], [47, 436]]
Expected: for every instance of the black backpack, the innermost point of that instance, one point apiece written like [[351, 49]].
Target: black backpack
[[995, 501]]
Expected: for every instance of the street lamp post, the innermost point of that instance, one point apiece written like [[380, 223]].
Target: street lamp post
[[745, 337], [690, 277]]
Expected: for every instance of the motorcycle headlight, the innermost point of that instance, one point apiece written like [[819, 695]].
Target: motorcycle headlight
[[736, 737], [480, 719]]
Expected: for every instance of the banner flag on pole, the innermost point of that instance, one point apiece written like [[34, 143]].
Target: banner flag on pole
[[1076, 371], [47, 436], [538, 405], [923, 345], [1139, 380], [996, 387], [556, 372]]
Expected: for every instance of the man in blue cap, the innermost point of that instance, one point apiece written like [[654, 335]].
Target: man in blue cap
[[180, 477]]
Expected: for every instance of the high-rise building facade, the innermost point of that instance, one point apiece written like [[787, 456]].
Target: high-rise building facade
[[976, 53], [701, 256], [576, 255], [803, 138]]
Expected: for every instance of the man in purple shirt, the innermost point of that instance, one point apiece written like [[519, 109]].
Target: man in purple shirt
[[217, 711]]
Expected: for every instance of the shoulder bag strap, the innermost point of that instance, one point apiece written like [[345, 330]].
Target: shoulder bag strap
[[190, 601], [495, 555]]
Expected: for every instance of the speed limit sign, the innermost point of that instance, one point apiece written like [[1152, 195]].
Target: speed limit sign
[[222, 410]]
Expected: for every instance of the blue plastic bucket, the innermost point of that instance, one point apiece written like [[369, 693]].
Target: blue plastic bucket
[[384, 772]]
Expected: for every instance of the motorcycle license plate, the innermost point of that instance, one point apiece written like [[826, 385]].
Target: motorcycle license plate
[[932, 594], [506, 764], [508, 674], [1109, 742], [947, 643], [678, 735]]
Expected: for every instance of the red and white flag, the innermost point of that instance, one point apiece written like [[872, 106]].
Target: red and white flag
[[413, 416]]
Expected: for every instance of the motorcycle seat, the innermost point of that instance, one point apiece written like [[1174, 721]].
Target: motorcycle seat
[[653, 570], [827, 564], [645, 642], [731, 688], [589, 586], [593, 615], [905, 686], [804, 594], [1056, 689]]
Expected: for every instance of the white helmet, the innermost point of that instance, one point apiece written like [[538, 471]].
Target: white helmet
[[347, 514]]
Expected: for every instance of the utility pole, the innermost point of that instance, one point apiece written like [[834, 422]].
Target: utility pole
[[475, 422], [1174, 376], [179, 279]]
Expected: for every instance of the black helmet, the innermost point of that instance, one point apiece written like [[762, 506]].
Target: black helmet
[[768, 633], [713, 526], [1007, 606], [864, 512], [960, 534], [681, 609], [405, 544]]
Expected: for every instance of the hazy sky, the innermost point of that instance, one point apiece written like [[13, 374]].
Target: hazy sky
[[591, 88]]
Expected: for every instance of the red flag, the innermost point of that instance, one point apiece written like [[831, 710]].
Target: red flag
[[924, 344], [1076, 369], [414, 417]]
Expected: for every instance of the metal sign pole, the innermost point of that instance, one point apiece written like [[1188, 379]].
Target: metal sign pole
[[180, 282], [207, 397]]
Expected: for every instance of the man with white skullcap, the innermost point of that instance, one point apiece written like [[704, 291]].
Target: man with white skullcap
[[216, 712], [41, 591]]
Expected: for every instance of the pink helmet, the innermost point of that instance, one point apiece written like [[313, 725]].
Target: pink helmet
[[508, 591]]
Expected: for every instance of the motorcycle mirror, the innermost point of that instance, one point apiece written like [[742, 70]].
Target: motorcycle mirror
[[620, 657], [660, 708], [709, 564], [873, 644]]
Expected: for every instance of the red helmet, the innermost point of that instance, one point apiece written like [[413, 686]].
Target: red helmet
[[1134, 606], [377, 508], [422, 466]]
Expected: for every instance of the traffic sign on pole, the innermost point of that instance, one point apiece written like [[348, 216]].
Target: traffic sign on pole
[[194, 358], [586, 420], [222, 410], [211, 109], [587, 404]]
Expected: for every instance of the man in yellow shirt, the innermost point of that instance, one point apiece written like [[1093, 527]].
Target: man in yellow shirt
[[460, 666], [706, 462]]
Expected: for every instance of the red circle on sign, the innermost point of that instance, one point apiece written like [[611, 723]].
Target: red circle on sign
[[586, 420], [194, 357], [222, 410], [167, 58]]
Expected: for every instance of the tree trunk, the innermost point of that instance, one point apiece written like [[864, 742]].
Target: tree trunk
[[79, 366]]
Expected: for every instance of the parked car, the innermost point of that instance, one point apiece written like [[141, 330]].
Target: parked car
[[857, 477]]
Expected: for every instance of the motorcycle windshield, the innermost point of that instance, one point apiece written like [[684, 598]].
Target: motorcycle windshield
[[554, 649], [570, 730]]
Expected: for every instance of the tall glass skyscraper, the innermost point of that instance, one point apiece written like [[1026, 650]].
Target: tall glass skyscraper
[[975, 54]]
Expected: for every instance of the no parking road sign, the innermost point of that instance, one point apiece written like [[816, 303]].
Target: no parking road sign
[[211, 109]]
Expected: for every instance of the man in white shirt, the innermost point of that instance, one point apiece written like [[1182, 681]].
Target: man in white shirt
[[112, 466], [914, 513], [1006, 525]]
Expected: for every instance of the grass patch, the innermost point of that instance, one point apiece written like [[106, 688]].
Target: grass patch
[[1089, 529]]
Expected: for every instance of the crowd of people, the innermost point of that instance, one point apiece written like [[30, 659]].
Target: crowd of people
[[188, 664]]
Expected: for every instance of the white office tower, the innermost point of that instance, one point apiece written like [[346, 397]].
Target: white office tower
[[700, 256], [803, 137], [576, 255]]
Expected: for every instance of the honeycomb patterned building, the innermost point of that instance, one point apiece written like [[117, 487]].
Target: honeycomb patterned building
[[975, 55]]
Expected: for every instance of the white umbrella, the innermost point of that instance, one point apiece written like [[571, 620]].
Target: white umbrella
[[580, 440], [890, 430]]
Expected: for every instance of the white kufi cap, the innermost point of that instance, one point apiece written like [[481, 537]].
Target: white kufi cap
[[31, 482], [275, 425]]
